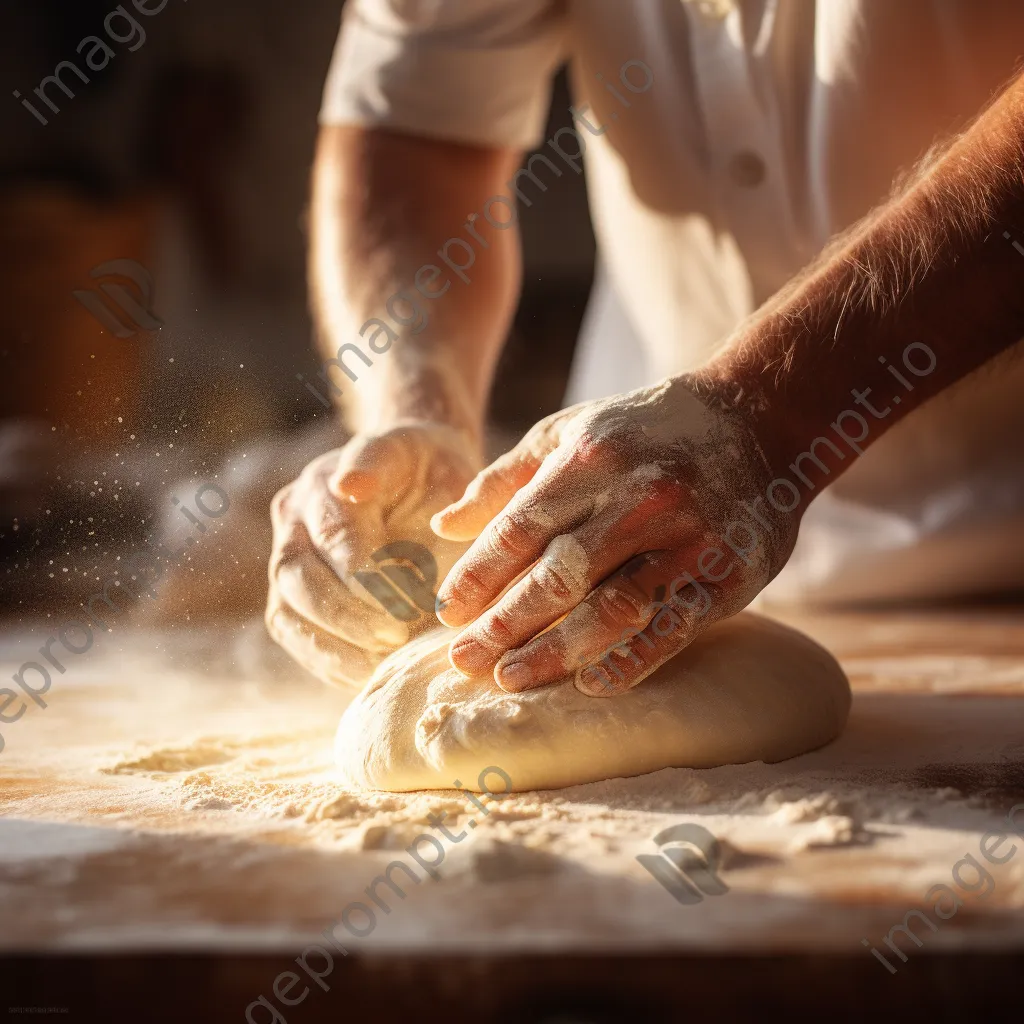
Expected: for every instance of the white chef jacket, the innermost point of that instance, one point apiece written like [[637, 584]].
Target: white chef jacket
[[767, 127]]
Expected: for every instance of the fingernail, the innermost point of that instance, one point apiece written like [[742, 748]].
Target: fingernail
[[515, 676], [442, 608], [451, 615]]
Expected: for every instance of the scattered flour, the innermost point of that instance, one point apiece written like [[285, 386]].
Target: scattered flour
[[831, 830], [209, 815]]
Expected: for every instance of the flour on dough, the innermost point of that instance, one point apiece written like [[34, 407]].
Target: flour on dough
[[749, 689]]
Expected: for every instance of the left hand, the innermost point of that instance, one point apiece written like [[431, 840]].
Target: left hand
[[602, 511], [338, 530]]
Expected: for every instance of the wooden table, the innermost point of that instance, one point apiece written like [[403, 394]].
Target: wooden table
[[172, 836]]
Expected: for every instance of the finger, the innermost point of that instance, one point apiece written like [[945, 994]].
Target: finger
[[373, 468], [487, 494], [309, 587], [610, 541], [344, 533], [570, 567], [679, 623], [328, 658], [561, 496], [635, 601], [303, 574], [512, 542], [619, 606]]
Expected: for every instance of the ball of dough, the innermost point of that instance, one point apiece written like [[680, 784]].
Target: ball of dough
[[748, 689]]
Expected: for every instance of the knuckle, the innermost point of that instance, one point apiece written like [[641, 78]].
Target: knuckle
[[592, 448], [508, 536], [665, 493], [467, 587], [563, 571], [552, 578], [498, 631], [620, 605], [668, 563], [604, 444]]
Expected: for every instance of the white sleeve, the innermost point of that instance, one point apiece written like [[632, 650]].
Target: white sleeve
[[476, 71]]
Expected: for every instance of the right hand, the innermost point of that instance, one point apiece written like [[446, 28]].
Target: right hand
[[597, 510], [378, 489]]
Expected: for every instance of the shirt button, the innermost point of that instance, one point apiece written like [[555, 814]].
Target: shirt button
[[714, 10], [747, 169]]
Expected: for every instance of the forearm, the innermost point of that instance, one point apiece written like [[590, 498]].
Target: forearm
[[932, 266], [383, 205]]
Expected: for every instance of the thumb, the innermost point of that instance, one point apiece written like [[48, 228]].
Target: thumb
[[372, 467], [487, 494]]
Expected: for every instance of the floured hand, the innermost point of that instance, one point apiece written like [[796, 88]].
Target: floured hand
[[326, 588], [602, 510]]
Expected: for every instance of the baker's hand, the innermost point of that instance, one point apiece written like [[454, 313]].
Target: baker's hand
[[641, 519], [343, 594]]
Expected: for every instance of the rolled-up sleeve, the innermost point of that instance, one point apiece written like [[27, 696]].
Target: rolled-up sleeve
[[476, 71]]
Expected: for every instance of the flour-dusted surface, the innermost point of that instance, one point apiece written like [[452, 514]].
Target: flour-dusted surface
[[178, 793]]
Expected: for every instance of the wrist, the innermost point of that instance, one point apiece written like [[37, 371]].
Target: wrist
[[465, 443], [388, 416], [426, 393], [740, 387]]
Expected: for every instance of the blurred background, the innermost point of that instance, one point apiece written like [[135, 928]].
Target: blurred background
[[187, 158], [153, 319]]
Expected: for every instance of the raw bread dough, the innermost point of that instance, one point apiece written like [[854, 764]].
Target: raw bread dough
[[749, 689]]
